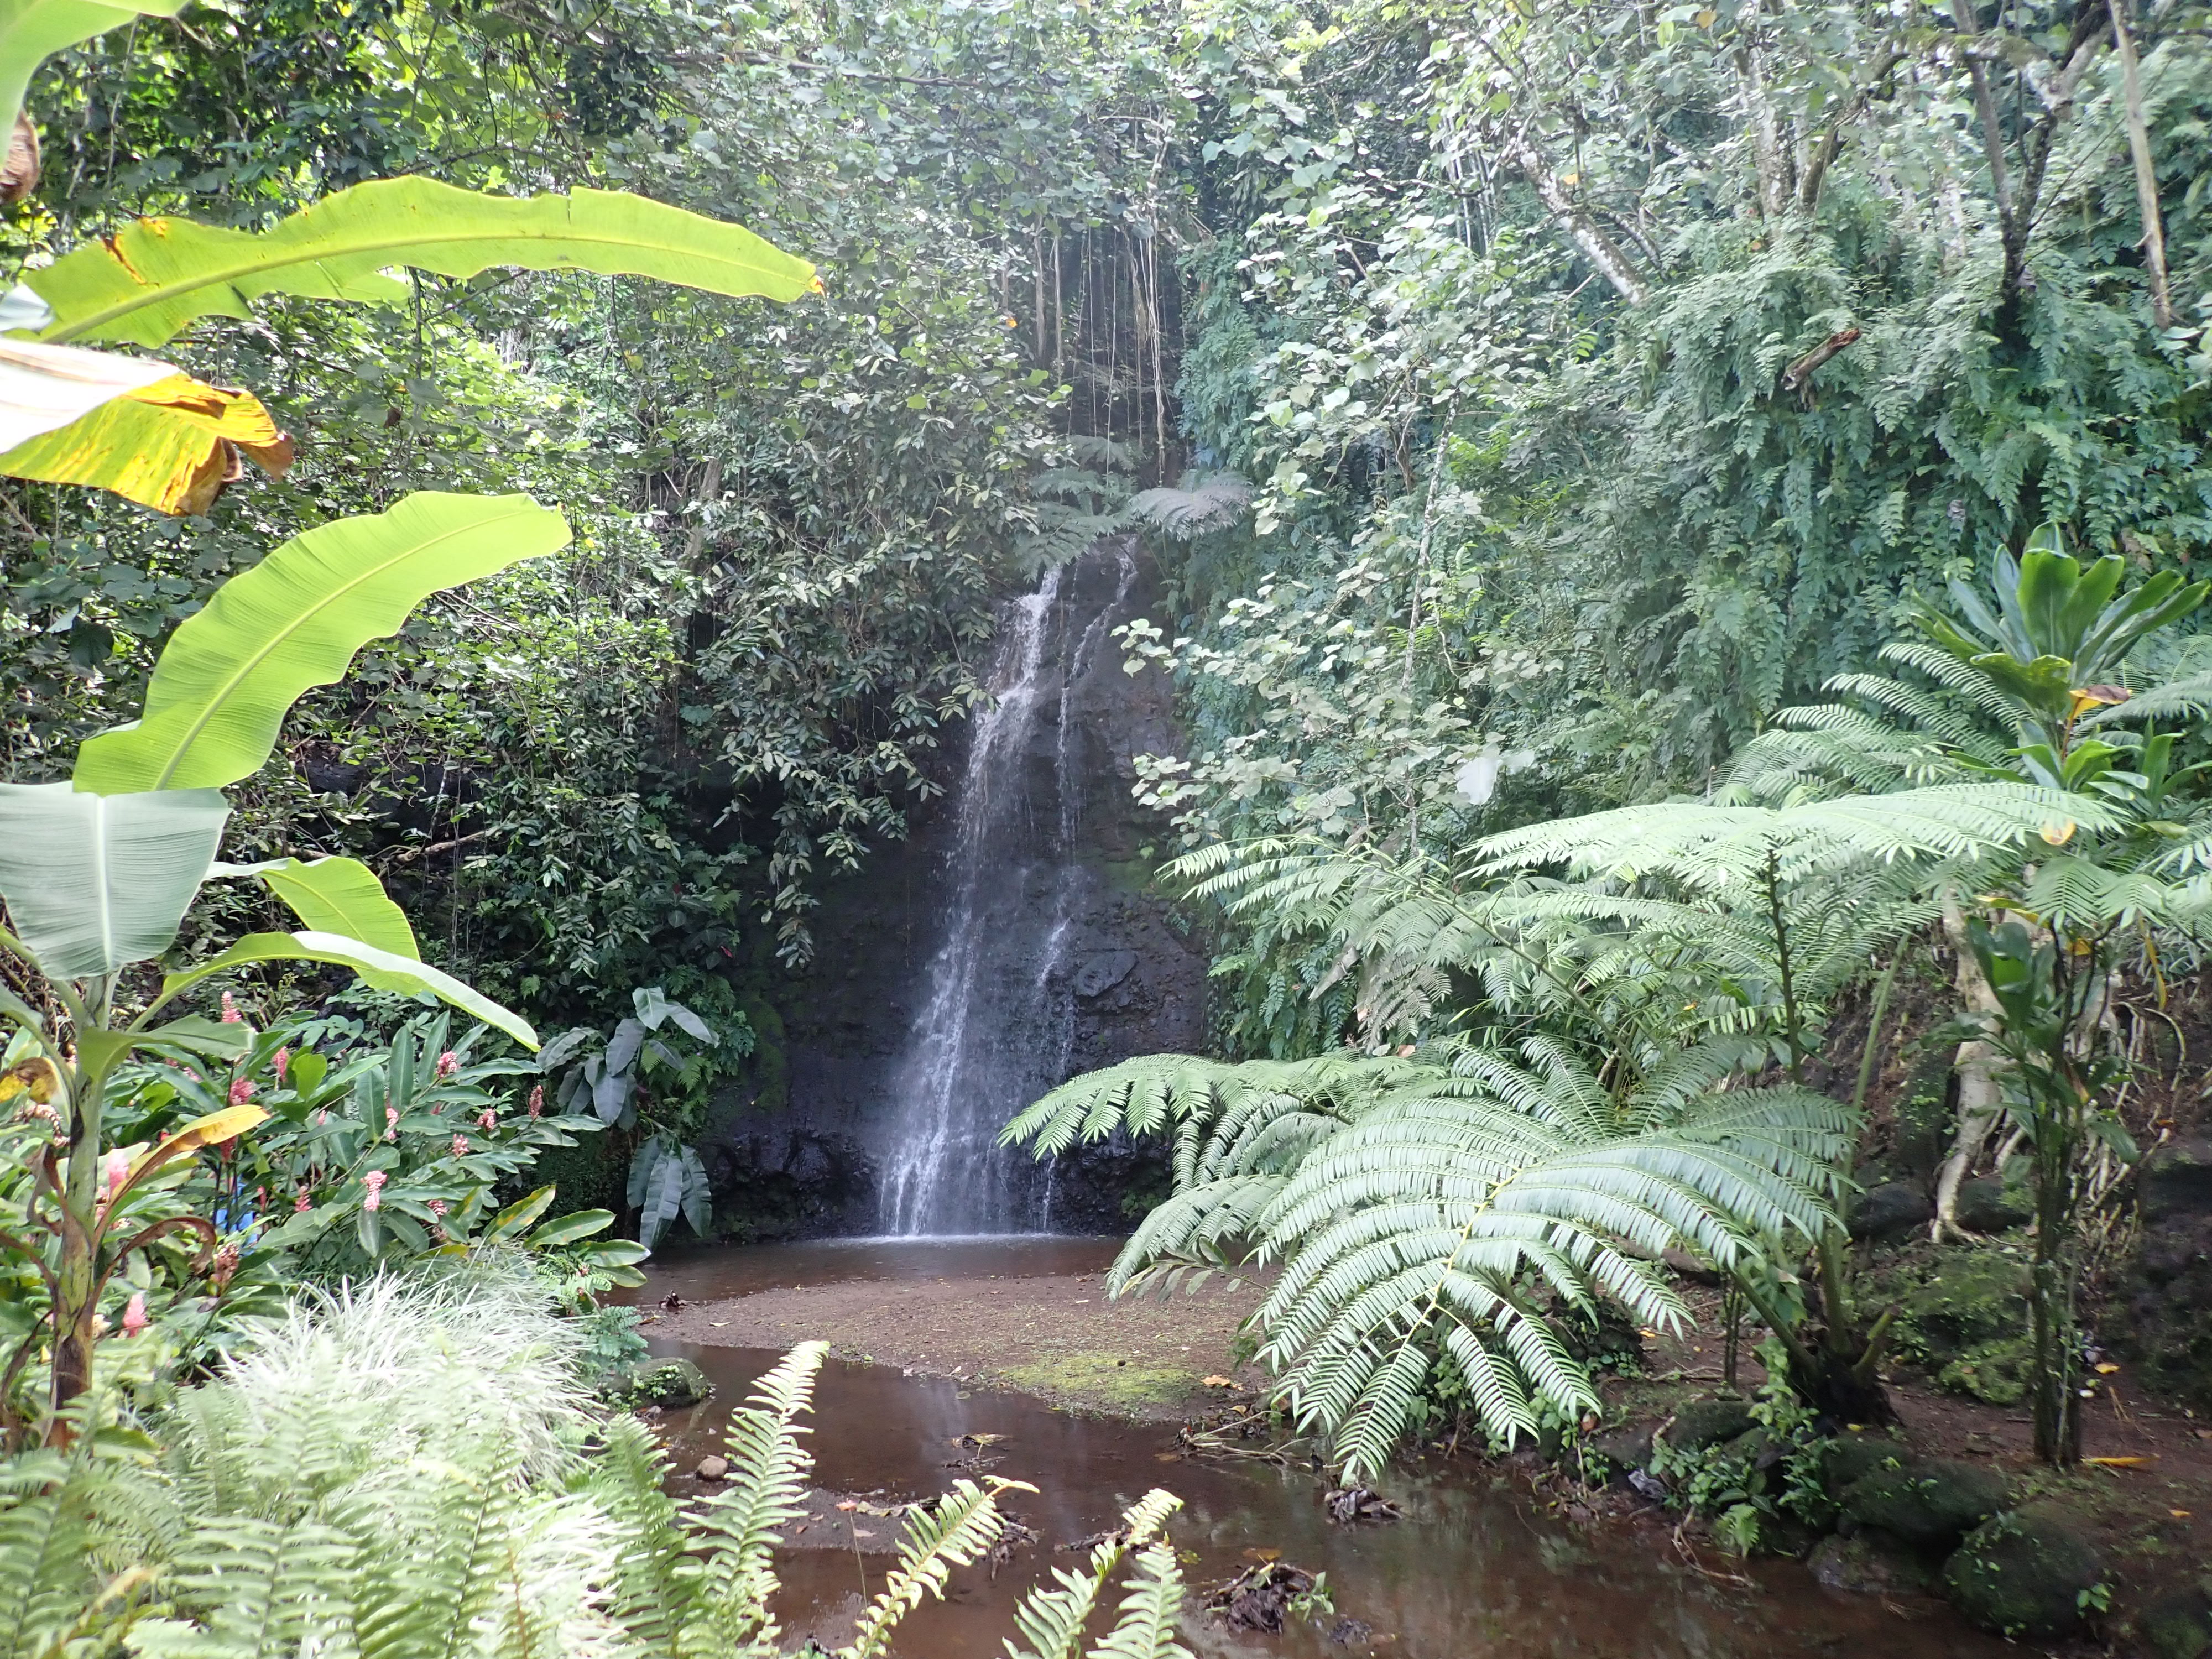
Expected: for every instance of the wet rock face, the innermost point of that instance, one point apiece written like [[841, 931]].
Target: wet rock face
[[2164, 1310], [1924, 1501], [1128, 979]]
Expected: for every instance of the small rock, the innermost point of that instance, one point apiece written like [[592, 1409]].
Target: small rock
[[1628, 1447], [1989, 1205], [1701, 1422], [713, 1468], [1350, 1503], [2023, 1573], [1925, 1501], [1891, 1209], [1647, 1485], [1689, 1267], [1350, 1632], [1860, 1566], [659, 1382]]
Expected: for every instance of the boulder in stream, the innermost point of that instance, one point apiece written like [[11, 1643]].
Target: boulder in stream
[[2029, 1572]]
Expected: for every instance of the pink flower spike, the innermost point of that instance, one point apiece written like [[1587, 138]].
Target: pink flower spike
[[230, 1014], [373, 1181], [437, 1207], [537, 1100], [133, 1314], [489, 1120], [284, 1058], [117, 1170], [460, 1145], [448, 1063], [242, 1090], [391, 1124], [301, 1203]]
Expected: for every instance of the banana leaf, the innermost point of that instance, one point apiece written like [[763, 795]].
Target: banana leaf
[[233, 670], [94, 882]]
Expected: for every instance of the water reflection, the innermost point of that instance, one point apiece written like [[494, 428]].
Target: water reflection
[[1471, 1573]]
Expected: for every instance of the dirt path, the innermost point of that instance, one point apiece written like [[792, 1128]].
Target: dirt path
[[1060, 1337]]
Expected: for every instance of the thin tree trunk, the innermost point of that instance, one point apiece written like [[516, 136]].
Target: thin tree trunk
[[1979, 1069], [1583, 231], [1768, 151], [2153, 222]]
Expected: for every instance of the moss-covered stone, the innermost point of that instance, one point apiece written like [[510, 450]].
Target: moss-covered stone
[[1701, 1422], [1996, 1373], [2029, 1572], [1100, 1380], [1850, 1457], [1924, 1501], [668, 1384], [2178, 1624]]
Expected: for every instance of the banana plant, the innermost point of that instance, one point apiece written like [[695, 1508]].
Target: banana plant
[[98, 872], [147, 431]]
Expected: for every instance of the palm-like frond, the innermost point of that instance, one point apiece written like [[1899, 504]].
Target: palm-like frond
[[1200, 507], [950, 1533], [768, 1466], [1051, 1621]]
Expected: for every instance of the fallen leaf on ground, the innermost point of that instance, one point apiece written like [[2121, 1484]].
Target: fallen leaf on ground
[[2179, 1515], [848, 1505], [1263, 1555], [2107, 1368], [2120, 1462], [1218, 1383]]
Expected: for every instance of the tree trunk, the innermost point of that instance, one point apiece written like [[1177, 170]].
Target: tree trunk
[[1583, 231], [1979, 1069], [2153, 222]]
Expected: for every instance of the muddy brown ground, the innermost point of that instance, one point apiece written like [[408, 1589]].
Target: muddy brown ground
[[1058, 1337]]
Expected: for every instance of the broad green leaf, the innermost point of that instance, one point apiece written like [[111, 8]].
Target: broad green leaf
[[380, 968], [215, 1127], [137, 428], [97, 881], [31, 31], [567, 1229], [613, 1252], [195, 1034], [152, 278], [336, 896], [520, 1214], [230, 672]]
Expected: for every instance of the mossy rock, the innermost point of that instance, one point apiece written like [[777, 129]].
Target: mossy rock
[[668, 1384], [1924, 1501], [1996, 1373], [1701, 1422], [1851, 1457], [1970, 1297], [1991, 1206], [2027, 1572], [2179, 1624]]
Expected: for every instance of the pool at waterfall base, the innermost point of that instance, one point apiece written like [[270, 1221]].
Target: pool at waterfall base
[[1478, 1567]]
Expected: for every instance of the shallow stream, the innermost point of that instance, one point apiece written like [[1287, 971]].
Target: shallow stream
[[1476, 1568]]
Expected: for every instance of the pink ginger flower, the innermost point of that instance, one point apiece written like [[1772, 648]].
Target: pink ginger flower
[[460, 1145], [391, 1124], [117, 1170], [437, 1207], [373, 1181], [537, 1100], [230, 1014], [448, 1063], [242, 1090], [301, 1203], [489, 1120], [284, 1058], [133, 1314]]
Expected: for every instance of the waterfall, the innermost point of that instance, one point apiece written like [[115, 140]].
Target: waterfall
[[997, 1018]]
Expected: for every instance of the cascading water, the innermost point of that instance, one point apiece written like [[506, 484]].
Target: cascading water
[[997, 1021]]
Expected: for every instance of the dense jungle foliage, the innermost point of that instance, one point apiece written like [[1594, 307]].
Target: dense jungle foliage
[[1670, 518]]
